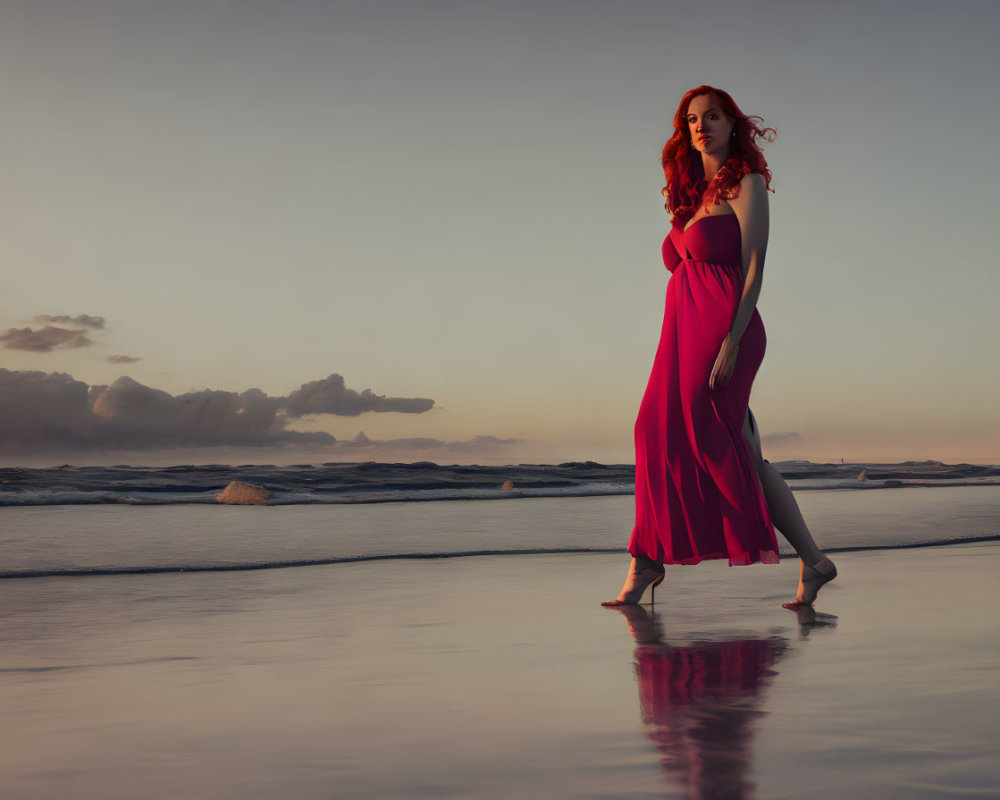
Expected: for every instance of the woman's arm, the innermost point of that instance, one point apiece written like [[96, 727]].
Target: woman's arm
[[751, 212]]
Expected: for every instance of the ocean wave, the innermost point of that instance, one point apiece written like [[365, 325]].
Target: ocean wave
[[373, 482]]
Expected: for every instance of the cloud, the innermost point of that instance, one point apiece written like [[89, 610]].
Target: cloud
[[36, 407], [134, 415], [44, 339], [780, 438], [86, 320], [331, 396], [54, 411], [124, 359], [476, 444], [53, 334], [482, 443]]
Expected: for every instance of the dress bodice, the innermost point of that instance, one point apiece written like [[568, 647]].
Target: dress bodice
[[715, 239]]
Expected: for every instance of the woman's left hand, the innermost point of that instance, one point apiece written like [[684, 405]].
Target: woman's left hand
[[725, 363]]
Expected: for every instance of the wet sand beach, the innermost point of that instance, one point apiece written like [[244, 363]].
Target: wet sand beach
[[497, 677]]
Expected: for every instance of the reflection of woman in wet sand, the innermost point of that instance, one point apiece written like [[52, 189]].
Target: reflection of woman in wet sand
[[699, 703]]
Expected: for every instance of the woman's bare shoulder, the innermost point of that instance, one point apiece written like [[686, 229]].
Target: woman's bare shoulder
[[753, 192], [753, 182]]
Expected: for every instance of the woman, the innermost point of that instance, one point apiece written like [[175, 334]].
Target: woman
[[702, 489]]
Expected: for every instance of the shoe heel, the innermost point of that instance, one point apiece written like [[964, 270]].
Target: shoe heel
[[652, 590]]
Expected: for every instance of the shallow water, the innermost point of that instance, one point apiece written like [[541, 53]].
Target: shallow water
[[502, 677], [493, 676], [123, 537]]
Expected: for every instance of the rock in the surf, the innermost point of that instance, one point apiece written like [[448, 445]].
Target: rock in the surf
[[238, 493]]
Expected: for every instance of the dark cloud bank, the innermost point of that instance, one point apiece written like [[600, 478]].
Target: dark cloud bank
[[52, 411]]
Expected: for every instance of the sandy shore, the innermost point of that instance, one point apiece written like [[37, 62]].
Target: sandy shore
[[502, 677]]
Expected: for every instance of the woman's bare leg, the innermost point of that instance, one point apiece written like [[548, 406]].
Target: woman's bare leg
[[788, 519]]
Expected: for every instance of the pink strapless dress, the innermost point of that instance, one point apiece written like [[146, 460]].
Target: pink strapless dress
[[697, 494]]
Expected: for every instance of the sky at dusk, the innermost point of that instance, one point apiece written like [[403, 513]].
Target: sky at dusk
[[299, 231]]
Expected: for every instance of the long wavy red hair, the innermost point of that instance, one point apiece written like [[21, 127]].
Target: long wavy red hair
[[686, 188]]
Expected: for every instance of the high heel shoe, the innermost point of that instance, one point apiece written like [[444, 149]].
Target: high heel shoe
[[641, 580], [811, 580], [652, 588]]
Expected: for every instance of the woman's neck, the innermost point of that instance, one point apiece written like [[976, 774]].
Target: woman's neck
[[712, 162]]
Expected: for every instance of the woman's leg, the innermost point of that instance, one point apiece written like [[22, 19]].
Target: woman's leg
[[788, 519]]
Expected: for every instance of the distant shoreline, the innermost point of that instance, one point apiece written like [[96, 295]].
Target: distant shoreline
[[792, 462]]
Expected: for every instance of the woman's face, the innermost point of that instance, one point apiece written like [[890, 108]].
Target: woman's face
[[708, 124]]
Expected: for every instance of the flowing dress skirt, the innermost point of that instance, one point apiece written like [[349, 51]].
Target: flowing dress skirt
[[697, 493]]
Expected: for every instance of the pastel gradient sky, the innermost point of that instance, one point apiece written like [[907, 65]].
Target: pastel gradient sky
[[460, 201]]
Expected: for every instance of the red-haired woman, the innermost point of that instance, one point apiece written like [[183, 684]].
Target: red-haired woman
[[702, 489]]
